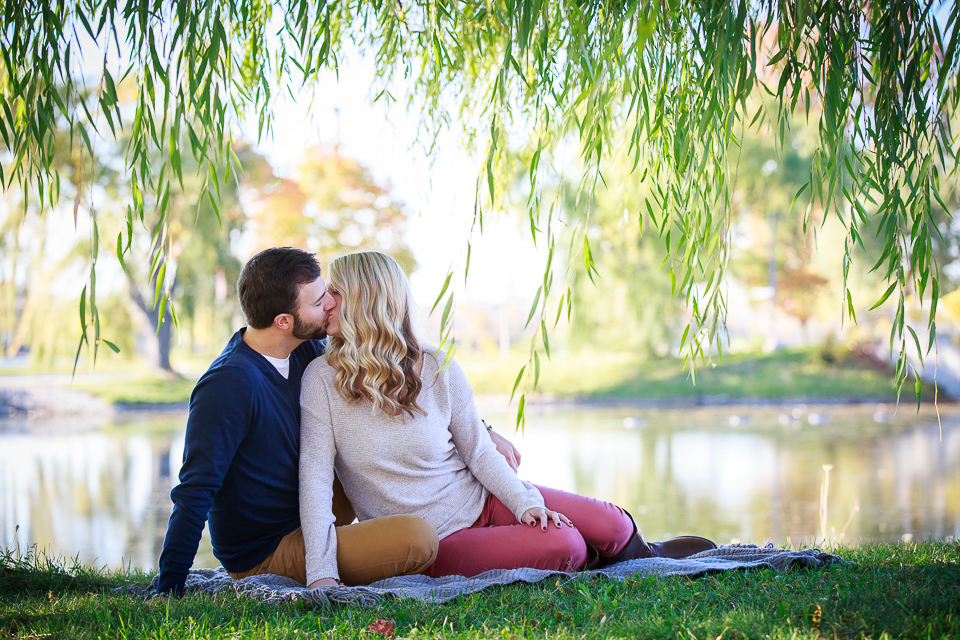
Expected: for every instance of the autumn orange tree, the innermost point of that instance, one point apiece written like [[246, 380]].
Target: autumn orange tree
[[330, 204], [670, 82]]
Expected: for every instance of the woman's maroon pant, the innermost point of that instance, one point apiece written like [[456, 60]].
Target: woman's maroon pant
[[497, 541]]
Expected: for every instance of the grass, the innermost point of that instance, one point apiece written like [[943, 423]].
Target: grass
[[143, 389], [899, 591], [797, 373]]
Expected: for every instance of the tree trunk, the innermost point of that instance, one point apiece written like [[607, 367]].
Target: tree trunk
[[161, 330]]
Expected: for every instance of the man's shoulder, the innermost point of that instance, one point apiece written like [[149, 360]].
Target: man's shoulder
[[237, 365], [235, 361]]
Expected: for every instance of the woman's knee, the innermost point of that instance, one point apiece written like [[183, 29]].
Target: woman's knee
[[621, 528], [565, 548]]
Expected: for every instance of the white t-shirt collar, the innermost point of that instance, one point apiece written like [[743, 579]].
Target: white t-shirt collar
[[282, 365]]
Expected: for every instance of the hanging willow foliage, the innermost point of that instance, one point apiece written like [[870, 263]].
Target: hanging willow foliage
[[673, 82]]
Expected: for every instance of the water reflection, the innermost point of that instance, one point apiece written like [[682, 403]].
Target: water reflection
[[759, 477], [102, 495]]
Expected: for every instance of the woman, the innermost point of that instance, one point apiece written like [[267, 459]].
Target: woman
[[404, 435]]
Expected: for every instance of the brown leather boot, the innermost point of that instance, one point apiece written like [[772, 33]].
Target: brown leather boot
[[674, 548], [594, 561], [682, 546]]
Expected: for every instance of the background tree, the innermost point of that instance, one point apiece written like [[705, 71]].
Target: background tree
[[330, 205], [194, 252], [624, 302]]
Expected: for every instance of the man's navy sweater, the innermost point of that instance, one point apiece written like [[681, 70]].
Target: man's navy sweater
[[240, 463]]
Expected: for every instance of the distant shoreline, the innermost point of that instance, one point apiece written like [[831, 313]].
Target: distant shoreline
[[57, 402]]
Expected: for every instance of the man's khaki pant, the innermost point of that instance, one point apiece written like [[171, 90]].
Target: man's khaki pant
[[366, 551]]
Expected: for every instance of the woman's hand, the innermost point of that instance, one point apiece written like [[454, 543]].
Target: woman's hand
[[538, 514], [325, 582]]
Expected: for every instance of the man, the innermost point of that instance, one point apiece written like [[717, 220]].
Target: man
[[241, 453]]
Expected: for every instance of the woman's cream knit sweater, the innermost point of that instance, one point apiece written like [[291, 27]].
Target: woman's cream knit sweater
[[440, 466]]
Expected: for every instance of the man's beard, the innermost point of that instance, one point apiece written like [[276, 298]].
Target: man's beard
[[303, 331]]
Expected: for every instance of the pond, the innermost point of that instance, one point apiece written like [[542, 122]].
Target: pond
[[792, 475]]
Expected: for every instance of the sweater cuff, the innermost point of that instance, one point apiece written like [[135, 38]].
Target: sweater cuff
[[531, 499]]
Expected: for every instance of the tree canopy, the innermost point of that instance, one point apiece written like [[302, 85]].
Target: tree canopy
[[673, 85]]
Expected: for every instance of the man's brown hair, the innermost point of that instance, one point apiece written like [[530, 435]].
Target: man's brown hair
[[270, 282]]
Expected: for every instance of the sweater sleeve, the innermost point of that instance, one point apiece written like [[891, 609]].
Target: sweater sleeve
[[218, 422], [317, 455], [478, 452]]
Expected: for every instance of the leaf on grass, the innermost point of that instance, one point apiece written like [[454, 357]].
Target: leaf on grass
[[381, 628]]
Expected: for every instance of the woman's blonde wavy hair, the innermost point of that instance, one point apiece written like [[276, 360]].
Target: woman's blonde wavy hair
[[377, 354]]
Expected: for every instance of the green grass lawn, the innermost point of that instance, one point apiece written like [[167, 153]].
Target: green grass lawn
[[899, 591], [783, 374], [141, 389]]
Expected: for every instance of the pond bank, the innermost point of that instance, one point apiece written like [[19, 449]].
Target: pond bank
[[50, 402], [780, 379], [44, 403]]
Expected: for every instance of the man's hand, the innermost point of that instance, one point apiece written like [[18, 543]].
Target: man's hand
[[506, 449], [325, 582]]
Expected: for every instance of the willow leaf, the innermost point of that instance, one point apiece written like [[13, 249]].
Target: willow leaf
[[443, 290], [883, 298], [533, 307], [516, 383]]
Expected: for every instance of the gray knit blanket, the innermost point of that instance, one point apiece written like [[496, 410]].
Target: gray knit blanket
[[275, 589]]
